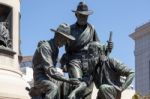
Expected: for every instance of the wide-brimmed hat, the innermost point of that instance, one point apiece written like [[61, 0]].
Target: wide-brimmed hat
[[82, 8], [64, 30]]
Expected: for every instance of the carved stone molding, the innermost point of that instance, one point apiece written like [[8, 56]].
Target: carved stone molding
[[7, 51]]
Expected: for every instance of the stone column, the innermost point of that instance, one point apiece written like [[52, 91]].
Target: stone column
[[12, 86]]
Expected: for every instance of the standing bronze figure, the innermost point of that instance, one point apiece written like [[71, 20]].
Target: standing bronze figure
[[76, 51]]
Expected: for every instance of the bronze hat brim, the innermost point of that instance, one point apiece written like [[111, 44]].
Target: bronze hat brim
[[89, 12], [65, 35]]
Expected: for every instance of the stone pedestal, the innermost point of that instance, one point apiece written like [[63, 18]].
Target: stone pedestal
[[12, 86]]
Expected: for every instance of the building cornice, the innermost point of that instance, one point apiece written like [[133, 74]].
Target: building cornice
[[141, 31]]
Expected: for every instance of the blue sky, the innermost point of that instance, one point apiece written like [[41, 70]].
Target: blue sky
[[119, 16]]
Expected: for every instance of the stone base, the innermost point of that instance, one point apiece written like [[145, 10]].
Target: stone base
[[12, 86]]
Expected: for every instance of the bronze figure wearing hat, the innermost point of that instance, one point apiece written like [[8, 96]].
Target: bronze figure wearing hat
[[76, 51], [44, 62]]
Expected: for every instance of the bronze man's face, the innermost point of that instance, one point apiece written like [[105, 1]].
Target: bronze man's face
[[81, 19], [61, 40]]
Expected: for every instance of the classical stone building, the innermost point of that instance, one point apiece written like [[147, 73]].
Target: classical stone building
[[142, 58], [12, 85]]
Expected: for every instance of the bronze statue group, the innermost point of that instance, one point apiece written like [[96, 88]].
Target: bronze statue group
[[86, 60]]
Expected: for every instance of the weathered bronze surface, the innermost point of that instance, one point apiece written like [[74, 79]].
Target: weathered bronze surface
[[86, 61], [44, 62]]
